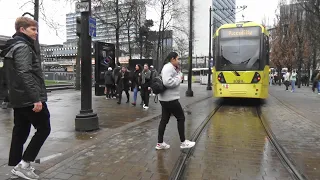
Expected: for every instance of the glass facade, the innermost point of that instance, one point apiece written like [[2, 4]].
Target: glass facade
[[104, 32], [224, 12]]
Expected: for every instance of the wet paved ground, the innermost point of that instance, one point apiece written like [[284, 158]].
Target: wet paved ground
[[294, 119], [234, 146], [64, 105], [124, 149], [131, 155]]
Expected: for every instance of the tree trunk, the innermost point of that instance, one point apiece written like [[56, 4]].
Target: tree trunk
[[308, 69], [314, 60], [129, 43], [162, 44], [159, 37], [146, 55], [141, 44]]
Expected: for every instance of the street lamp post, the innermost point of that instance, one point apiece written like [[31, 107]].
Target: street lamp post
[[86, 120], [209, 87], [189, 92]]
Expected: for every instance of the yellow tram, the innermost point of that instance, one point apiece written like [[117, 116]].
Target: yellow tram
[[241, 56]]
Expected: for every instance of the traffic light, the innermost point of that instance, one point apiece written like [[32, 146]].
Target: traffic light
[[78, 28]]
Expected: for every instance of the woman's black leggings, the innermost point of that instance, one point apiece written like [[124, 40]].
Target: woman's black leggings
[[174, 108]]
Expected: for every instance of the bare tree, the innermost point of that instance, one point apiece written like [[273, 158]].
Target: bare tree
[[312, 13], [181, 46], [168, 9], [122, 10]]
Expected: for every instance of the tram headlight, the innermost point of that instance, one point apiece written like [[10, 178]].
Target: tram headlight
[[256, 78], [221, 78]]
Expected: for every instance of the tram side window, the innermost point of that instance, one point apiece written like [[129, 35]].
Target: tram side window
[[267, 49], [215, 50]]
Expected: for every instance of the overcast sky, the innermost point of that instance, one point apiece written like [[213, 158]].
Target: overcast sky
[[10, 9]]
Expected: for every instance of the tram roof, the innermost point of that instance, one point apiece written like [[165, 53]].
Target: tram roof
[[243, 24]]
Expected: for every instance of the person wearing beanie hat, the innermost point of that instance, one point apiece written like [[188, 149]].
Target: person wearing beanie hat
[[109, 81]]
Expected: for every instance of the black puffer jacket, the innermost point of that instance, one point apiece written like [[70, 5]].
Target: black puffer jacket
[[108, 79], [23, 69]]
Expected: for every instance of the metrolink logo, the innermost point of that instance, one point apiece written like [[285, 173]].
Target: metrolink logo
[[240, 33]]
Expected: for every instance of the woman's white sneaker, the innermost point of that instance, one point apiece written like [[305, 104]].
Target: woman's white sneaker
[[162, 146], [187, 144]]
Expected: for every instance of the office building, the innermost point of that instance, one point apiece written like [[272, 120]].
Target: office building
[[105, 26], [224, 12]]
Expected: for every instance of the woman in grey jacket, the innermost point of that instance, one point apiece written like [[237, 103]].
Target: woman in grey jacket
[[170, 104]]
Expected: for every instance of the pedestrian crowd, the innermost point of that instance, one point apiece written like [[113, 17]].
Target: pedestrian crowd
[[121, 79], [291, 79]]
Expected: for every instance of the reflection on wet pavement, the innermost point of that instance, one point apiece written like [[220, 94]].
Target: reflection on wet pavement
[[298, 135], [234, 145], [131, 154]]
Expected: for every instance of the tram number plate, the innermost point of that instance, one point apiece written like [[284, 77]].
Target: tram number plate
[[238, 81]]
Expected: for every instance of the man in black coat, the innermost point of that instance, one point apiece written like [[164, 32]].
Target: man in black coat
[[28, 96], [123, 84]]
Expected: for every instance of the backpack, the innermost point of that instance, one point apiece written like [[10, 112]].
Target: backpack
[[157, 85], [154, 74]]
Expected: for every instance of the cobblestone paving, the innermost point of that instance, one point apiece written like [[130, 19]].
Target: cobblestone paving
[[234, 146], [299, 136]]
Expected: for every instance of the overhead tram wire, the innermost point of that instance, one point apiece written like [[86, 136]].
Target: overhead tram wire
[[223, 9]]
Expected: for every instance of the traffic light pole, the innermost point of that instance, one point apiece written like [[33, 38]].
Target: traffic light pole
[[86, 120], [209, 84], [189, 92]]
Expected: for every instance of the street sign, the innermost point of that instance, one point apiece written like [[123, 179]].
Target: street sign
[[92, 27], [82, 7]]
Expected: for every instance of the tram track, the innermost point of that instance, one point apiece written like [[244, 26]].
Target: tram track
[[295, 173], [185, 157]]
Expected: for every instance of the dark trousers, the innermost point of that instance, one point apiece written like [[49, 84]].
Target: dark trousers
[[109, 93], [145, 95], [23, 119], [171, 108], [314, 85], [127, 93], [287, 83], [6, 99]]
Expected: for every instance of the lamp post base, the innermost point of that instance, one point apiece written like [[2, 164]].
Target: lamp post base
[[209, 88], [87, 122], [189, 93]]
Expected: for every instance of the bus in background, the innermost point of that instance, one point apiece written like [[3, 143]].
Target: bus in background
[[200, 75], [242, 61]]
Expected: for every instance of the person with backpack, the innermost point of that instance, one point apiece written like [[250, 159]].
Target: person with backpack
[[169, 100], [28, 97], [154, 73], [4, 89], [109, 81]]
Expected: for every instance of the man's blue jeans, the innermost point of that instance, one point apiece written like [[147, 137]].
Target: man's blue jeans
[[135, 94], [293, 85]]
